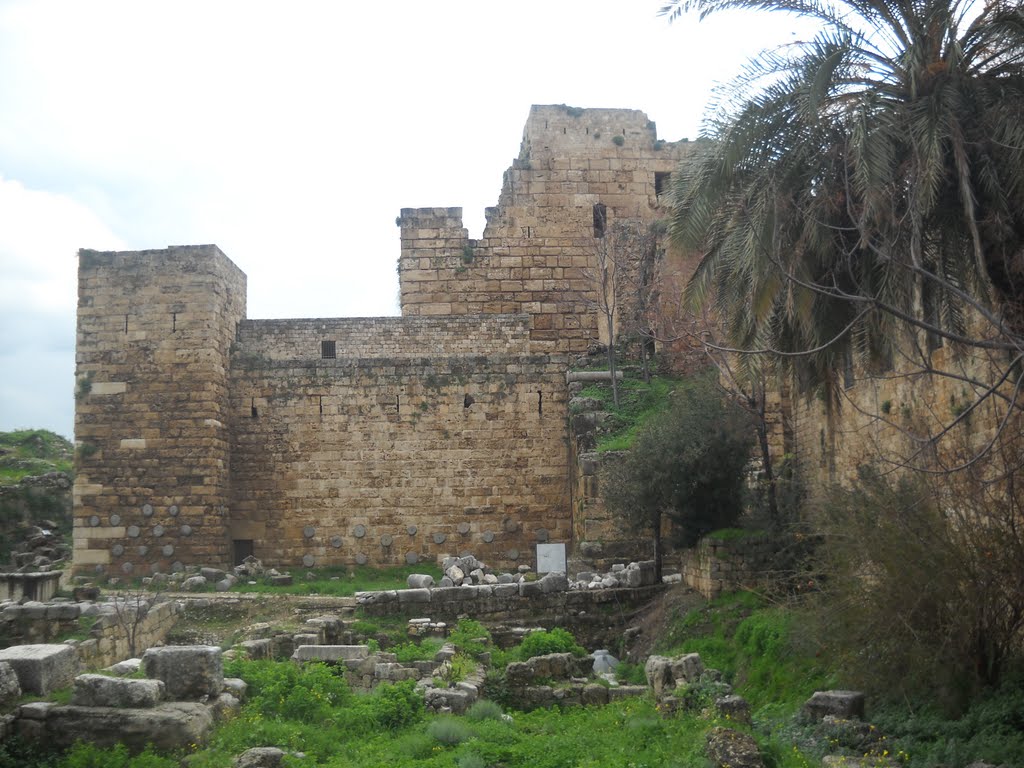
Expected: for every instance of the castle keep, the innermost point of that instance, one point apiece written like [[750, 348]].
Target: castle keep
[[204, 436]]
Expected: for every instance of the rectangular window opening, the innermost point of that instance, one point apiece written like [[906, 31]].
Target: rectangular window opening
[[661, 180], [328, 350], [253, 411], [600, 219]]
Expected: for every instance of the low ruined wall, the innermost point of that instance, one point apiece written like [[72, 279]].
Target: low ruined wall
[[501, 602], [717, 565], [108, 640]]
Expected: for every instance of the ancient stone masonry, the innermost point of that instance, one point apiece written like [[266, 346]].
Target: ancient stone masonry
[[578, 172], [204, 437]]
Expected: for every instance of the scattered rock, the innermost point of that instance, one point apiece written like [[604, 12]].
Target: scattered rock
[[726, 748]]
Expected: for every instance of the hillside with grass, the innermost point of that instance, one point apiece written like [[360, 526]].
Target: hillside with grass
[[35, 484], [32, 453]]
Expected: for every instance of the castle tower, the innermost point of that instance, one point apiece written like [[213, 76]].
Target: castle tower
[[155, 330]]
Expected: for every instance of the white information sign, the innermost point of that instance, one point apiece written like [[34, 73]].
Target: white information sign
[[550, 558]]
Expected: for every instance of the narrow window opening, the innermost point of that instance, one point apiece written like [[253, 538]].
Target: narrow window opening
[[563, 129], [588, 131], [600, 219], [661, 180], [327, 350], [529, 232], [398, 408], [467, 400], [540, 403], [252, 409], [848, 379], [174, 322], [126, 323], [623, 131], [321, 404]]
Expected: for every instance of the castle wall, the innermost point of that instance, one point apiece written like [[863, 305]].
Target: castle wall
[[151, 420], [203, 436], [540, 240], [422, 436]]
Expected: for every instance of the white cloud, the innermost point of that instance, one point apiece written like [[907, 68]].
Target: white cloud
[[290, 134]]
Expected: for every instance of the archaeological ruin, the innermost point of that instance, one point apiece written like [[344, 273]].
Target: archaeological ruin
[[204, 436]]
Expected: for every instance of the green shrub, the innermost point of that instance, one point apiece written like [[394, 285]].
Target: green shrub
[[425, 650], [618, 140], [628, 673], [449, 731], [557, 640], [470, 760], [395, 706], [285, 690], [470, 636], [484, 710]]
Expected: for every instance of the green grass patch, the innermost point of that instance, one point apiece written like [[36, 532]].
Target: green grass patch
[[639, 402]]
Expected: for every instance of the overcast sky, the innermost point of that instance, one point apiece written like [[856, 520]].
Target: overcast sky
[[290, 134]]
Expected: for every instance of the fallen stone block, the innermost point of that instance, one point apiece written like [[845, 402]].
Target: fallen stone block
[[419, 581], [171, 726], [10, 688], [236, 687], [124, 693], [687, 668], [734, 707], [260, 757], [846, 705], [658, 670], [126, 667], [188, 671], [331, 653], [554, 582], [726, 748], [42, 669]]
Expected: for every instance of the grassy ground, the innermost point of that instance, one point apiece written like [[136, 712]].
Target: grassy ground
[[760, 647]]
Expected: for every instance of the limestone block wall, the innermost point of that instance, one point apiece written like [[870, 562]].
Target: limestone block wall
[[878, 414], [571, 181], [151, 421], [421, 436], [108, 641], [716, 565]]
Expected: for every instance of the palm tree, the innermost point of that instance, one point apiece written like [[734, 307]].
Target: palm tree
[[866, 182]]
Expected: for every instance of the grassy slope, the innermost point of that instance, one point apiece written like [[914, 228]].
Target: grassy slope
[[639, 402], [32, 452]]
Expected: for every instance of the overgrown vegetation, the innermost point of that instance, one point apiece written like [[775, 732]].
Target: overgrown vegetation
[[687, 466], [639, 402], [923, 588]]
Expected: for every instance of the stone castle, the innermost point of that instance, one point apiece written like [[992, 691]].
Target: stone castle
[[204, 436]]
